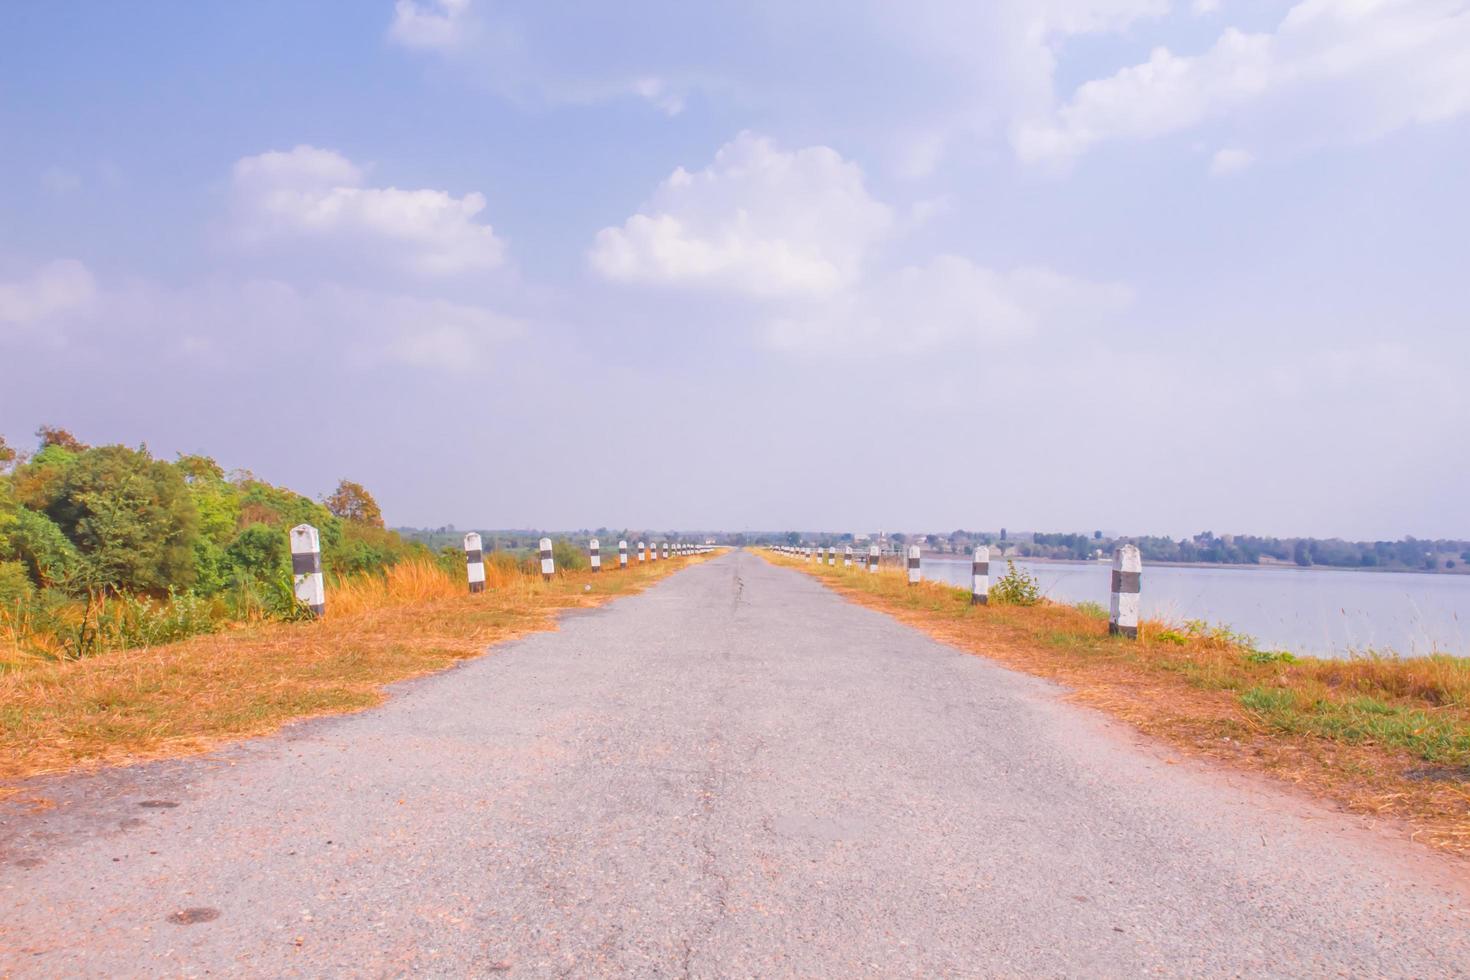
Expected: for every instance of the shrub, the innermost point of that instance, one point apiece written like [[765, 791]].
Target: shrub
[[130, 517], [569, 557], [1016, 588]]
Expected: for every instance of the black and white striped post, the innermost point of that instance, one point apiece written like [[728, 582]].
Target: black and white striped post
[[474, 562], [548, 564], [666, 551], [306, 568], [980, 573], [831, 556], [915, 575], [594, 554], [847, 556], [1127, 578], [873, 555], [807, 553], [622, 555], [642, 552]]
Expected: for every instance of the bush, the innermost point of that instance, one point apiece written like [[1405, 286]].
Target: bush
[[130, 517], [1015, 588], [569, 557]]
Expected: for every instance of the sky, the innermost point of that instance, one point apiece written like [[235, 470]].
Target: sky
[[1133, 265]]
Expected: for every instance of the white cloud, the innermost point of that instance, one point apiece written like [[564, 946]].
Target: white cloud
[[759, 220], [1203, 7], [949, 302], [319, 196], [57, 288], [435, 25], [798, 233], [1230, 160], [1334, 71], [965, 66], [249, 322], [659, 93]]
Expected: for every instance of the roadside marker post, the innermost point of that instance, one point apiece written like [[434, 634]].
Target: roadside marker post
[[980, 572], [306, 568], [594, 547], [1127, 578], [915, 574], [831, 556], [474, 562], [642, 552], [873, 554], [666, 551], [622, 555], [548, 564], [847, 557]]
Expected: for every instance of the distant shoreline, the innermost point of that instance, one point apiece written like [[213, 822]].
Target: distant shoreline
[[1242, 566]]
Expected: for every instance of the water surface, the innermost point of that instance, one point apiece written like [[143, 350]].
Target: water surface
[[1306, 610]]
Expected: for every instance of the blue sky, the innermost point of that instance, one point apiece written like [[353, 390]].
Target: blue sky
[[1139, 265]]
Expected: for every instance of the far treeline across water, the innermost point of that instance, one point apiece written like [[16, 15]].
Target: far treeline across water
[[1408, 554]]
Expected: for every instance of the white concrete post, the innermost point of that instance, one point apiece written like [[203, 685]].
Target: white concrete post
[[622, 554], [474, 562], [1127, 577], [666, 551], [980, 572], [306, 568], [915, 575], [831, 556], [548, 564], [847, 556], [594, 553], [807, 553], [873, 555], [642, 552]]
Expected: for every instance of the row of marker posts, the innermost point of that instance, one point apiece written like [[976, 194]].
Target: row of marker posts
[[649, 552], [1123, 591], [310, 586]]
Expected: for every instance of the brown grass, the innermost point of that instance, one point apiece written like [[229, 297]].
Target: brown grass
[[1379, 736], [128, 705]]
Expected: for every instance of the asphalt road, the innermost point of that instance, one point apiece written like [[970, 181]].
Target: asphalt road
[[733, 774]]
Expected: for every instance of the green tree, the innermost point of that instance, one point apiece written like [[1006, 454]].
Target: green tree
[[131, 518]]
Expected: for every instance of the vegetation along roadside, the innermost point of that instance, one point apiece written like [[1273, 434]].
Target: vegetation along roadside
[[146, 606], [1378, 735]]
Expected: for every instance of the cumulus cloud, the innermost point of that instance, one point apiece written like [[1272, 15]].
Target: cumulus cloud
[[1333, 71], [758, 220], [798, 235], [318, 196], [53, 290]]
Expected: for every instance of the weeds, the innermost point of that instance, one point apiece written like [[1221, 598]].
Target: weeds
[[1016, 587], [173, 698]]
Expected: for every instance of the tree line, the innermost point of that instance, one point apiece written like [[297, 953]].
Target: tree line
[[80, 521]]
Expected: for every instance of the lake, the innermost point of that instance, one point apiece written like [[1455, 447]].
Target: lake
[[1305, 610]]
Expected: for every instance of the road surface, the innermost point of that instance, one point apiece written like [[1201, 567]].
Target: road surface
[[735, 773]]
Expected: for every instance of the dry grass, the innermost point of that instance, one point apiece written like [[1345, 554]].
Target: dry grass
[[1384, 737], [127, 705]]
